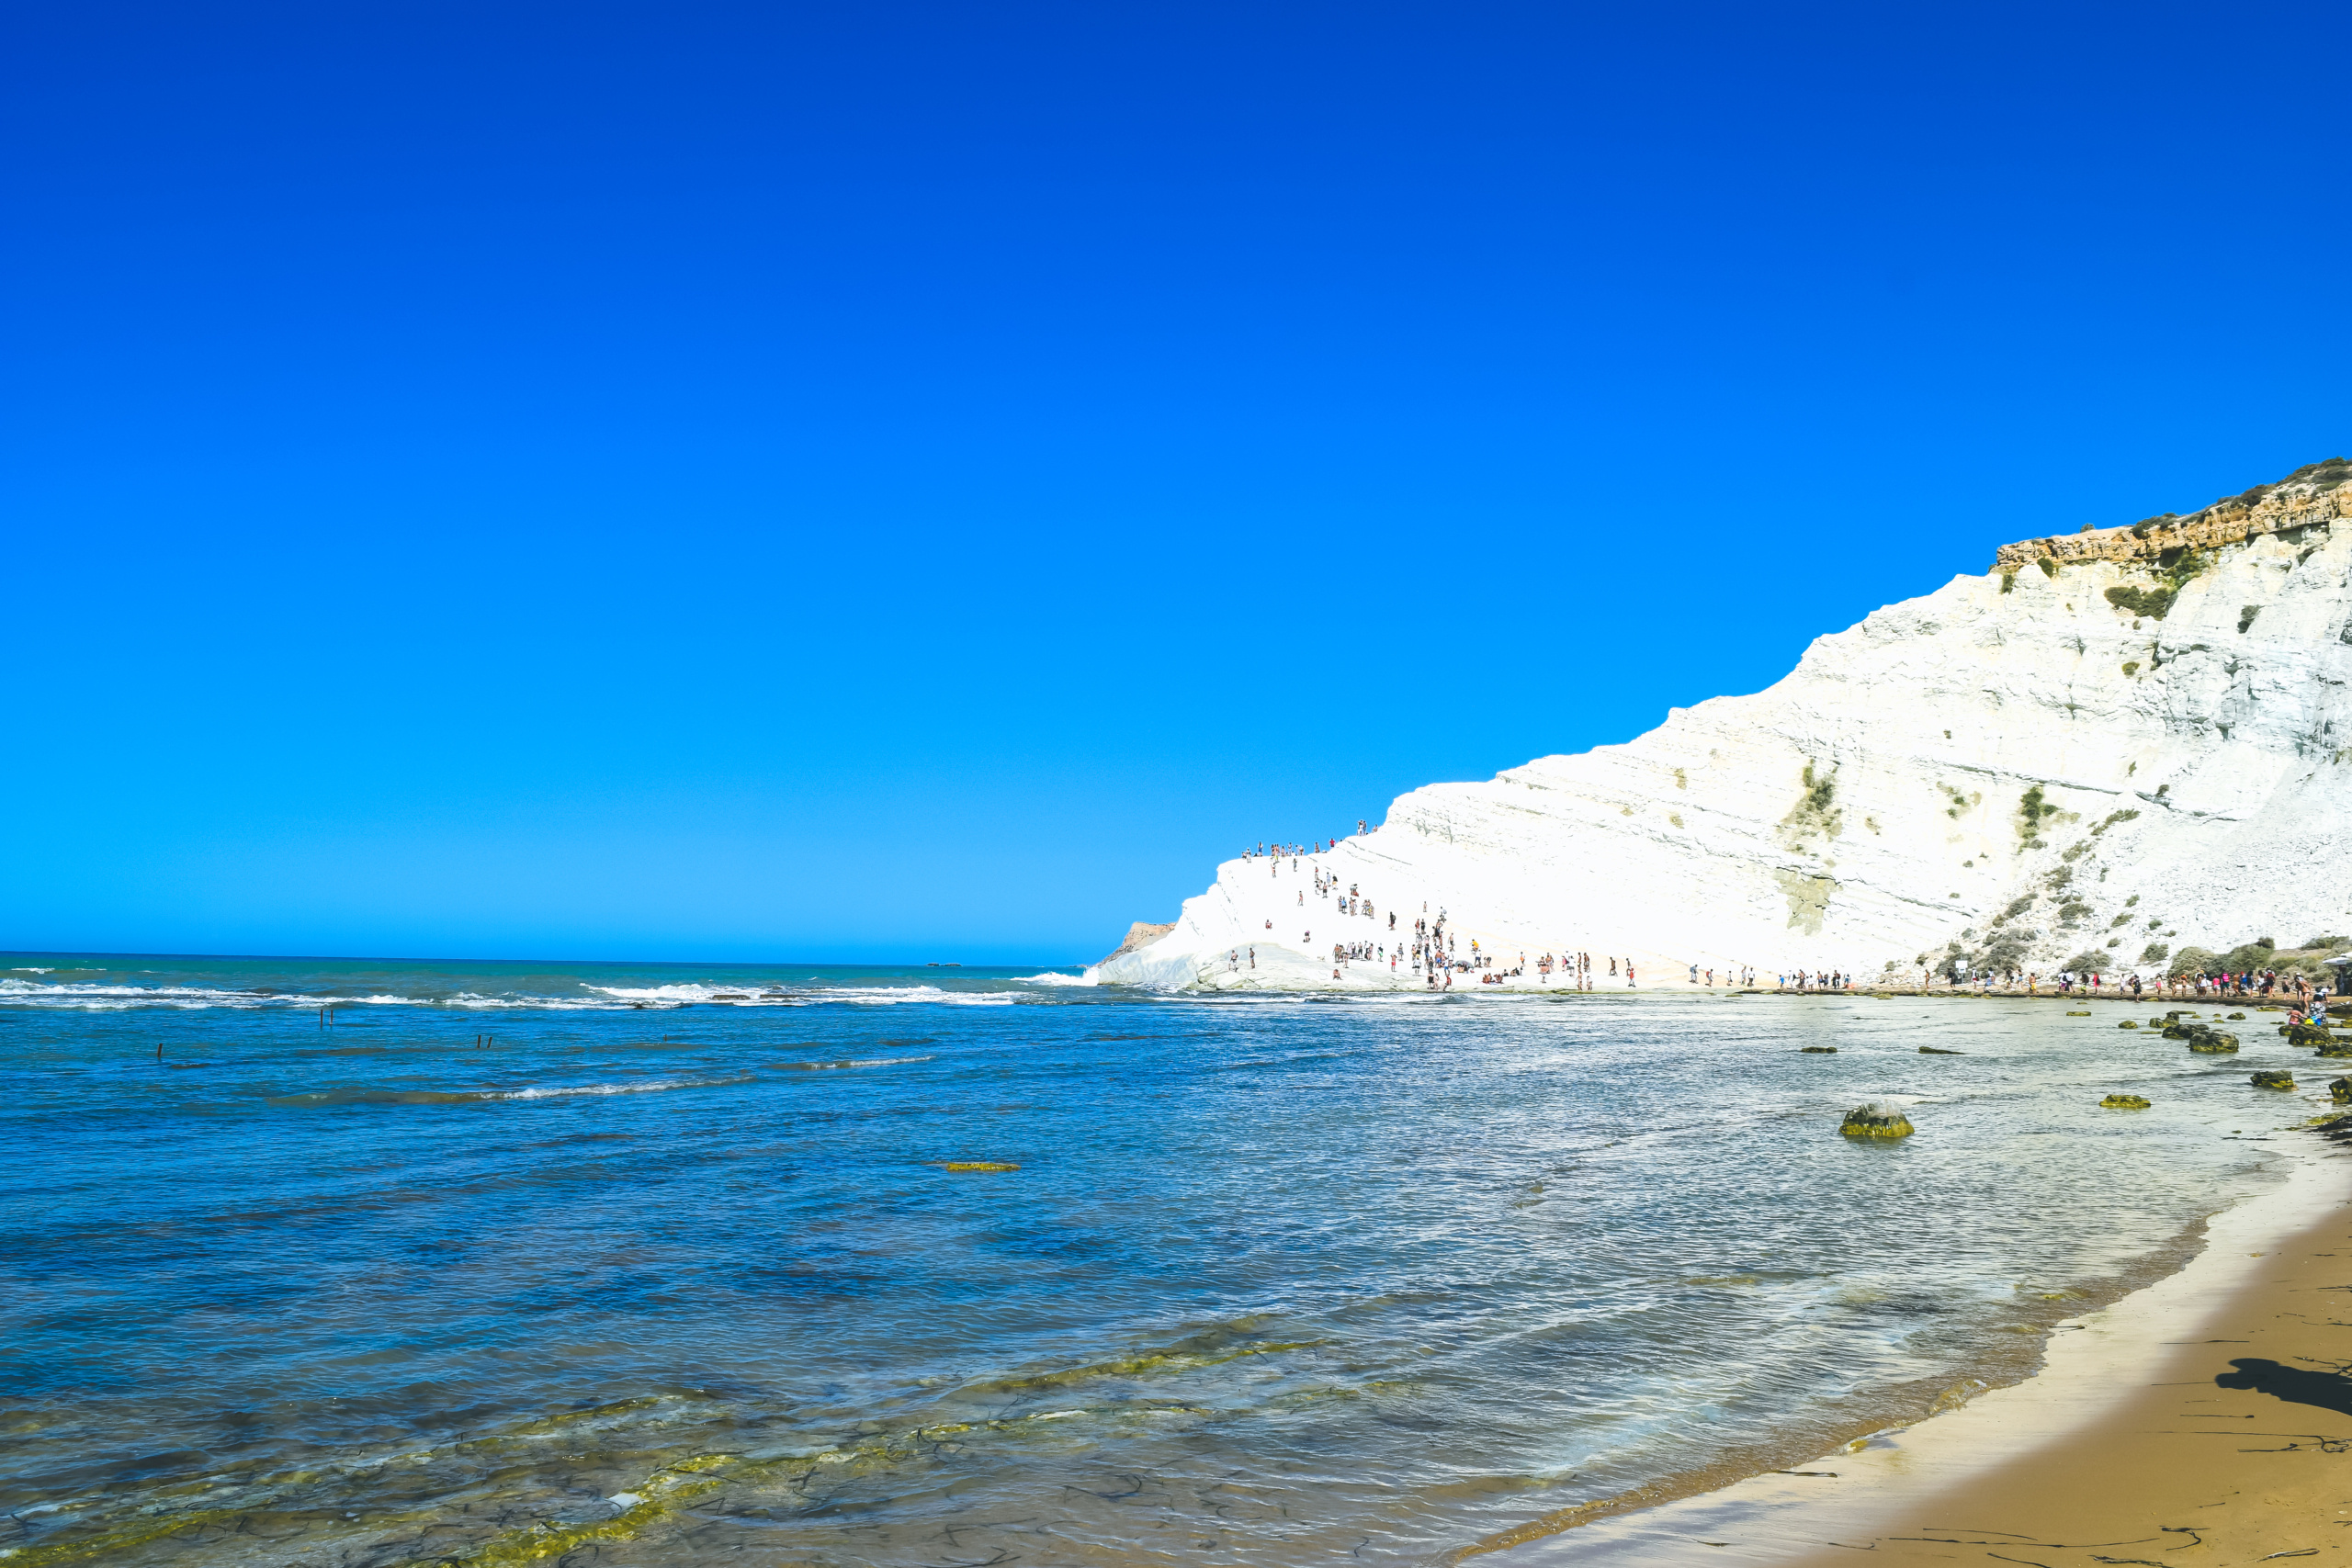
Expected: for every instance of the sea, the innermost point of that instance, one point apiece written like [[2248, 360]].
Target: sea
[[370, 1261]]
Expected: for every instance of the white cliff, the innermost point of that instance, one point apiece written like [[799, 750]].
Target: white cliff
[[2117, 739]]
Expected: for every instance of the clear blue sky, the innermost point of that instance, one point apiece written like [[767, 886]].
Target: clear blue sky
[[887, 481]]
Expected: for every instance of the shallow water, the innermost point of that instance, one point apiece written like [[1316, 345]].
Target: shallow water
[[1277, 1281]]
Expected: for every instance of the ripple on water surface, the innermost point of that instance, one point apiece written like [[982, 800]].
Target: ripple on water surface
[[1079, 1274]]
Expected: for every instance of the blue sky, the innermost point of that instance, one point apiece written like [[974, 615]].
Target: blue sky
[[903, 482]]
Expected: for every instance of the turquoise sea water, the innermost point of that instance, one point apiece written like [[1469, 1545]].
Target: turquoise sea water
[[660, 1264]]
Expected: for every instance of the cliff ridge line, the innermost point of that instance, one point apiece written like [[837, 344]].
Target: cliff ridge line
[[2312, 494]]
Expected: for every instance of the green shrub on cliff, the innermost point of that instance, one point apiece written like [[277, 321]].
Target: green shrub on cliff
[[2150, 602]]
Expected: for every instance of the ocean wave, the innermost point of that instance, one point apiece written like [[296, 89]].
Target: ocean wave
[[674, 996], [566, 1093], [476, 1000], [1051, 979], [90, 995], [888, 994], [330, 1097], [868, 1062], [95, 996]]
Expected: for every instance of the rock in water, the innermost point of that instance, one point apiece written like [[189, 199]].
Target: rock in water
[[2126, 1023], [2203, 1038], [2340, 1090], [1980, 778], [2272, 1079], [1817, 1049], [1870, 1121], [1938, 1051], [2124, 1103]]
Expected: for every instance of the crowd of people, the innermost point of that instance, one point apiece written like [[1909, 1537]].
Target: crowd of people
[[2220, 985], [1434, 953]]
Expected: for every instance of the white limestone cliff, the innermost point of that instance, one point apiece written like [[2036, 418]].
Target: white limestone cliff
[[2118, 738]]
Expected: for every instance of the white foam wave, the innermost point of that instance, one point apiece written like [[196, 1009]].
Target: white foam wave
[[538, 1004], [92, 996], [673, 995], [889, 995], [565, 1093], [1052, 978]]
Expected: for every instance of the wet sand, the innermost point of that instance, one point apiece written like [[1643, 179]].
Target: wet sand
[[2202, 1421]]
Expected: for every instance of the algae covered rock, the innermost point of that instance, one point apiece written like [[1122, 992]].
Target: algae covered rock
[[2078, 1015], [1938, 1051], [2340, 1090], [1871, 1122], [2309, 1034], [2203, 1038], [2271, 1078], [2237, 1017], [1817, 1049], [2124, 1103], [2126, 1023]]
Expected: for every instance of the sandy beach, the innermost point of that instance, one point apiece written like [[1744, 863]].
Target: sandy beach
[[2202, 1419]]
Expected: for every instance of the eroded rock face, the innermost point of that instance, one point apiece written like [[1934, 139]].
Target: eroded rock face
[[1142, 933], [2128, 746], [2312, 494]]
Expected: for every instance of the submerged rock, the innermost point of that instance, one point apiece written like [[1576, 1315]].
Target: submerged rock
[[2078, 1015], [1939, 1051], [1870, 1121], [976, 1164], [2124, 1103], [1817, 1049], [2272, 1079], [2335, 1129]]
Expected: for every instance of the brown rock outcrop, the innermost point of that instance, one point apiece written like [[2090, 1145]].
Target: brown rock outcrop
[[1140, 934], [2312, 493]]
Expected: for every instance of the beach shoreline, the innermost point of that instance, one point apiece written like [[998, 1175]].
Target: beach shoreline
[[2089, 1459]]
